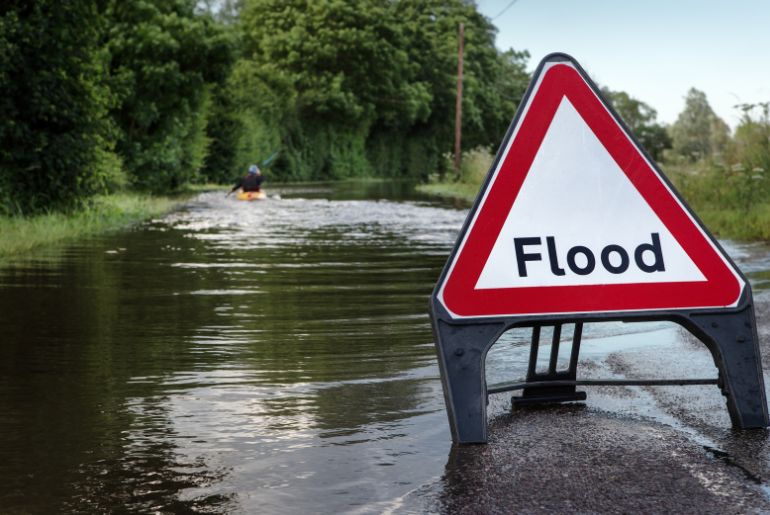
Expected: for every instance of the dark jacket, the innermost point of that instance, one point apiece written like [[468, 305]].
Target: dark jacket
[[250, 182]]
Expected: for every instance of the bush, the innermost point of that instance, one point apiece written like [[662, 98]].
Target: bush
[[474, 166], [55, 136], [162, 57]]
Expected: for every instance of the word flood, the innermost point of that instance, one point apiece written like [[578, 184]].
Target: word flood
[[614, 258]]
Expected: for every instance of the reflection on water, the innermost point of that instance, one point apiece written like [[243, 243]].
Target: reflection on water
[[231, 356], [754, 261], [265, 357]]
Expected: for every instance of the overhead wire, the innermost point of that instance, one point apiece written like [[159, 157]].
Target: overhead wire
[[503, 11]]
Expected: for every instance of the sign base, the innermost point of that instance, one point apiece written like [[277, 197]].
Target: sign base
[[462, 347]]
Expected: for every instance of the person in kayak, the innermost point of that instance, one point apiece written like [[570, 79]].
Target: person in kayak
[[251, 181]]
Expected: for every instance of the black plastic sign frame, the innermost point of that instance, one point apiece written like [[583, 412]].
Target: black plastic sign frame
[[462, 341]]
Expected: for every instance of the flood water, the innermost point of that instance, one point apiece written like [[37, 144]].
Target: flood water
[[232, 357]]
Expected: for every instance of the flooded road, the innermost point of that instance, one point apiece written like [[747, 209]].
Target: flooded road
[[277, 357]]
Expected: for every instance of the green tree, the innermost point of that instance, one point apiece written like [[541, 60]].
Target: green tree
[[642, 120], [751, 144], [338, 66], [163, 56], [749, 155], [493, 84], [350, 88], [55, 140], [698, 132]]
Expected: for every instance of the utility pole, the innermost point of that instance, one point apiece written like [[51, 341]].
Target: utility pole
[[459, 102]]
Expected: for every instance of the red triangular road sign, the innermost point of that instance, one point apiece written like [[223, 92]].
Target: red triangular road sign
[[574, 218]]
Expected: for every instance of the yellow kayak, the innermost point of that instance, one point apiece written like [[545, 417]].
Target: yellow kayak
[[250, 195]]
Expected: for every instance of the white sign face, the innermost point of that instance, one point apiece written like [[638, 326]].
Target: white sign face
[[578, 220]]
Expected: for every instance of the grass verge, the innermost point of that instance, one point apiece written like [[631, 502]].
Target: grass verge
[[451, 190], [463, 184], [733, 203], [752, 224], [22, 235]]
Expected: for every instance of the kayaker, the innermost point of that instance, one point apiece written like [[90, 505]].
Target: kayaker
[[251, 181]]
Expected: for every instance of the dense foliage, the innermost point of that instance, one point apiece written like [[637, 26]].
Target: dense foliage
[[55, 139], [162, 56], [103, 95], [97, 95], [356, 88]]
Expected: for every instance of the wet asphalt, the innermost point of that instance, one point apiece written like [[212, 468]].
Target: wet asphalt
[[624, 450]]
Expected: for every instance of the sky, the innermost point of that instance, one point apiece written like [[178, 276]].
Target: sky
[[655, 50]]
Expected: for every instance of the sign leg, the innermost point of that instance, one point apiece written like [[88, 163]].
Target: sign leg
[[462, 350], [733, 341]]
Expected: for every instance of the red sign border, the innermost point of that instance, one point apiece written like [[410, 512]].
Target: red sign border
[[723, 285]]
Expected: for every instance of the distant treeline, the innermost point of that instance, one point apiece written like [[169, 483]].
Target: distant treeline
[[104, 95], [716, 169]]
